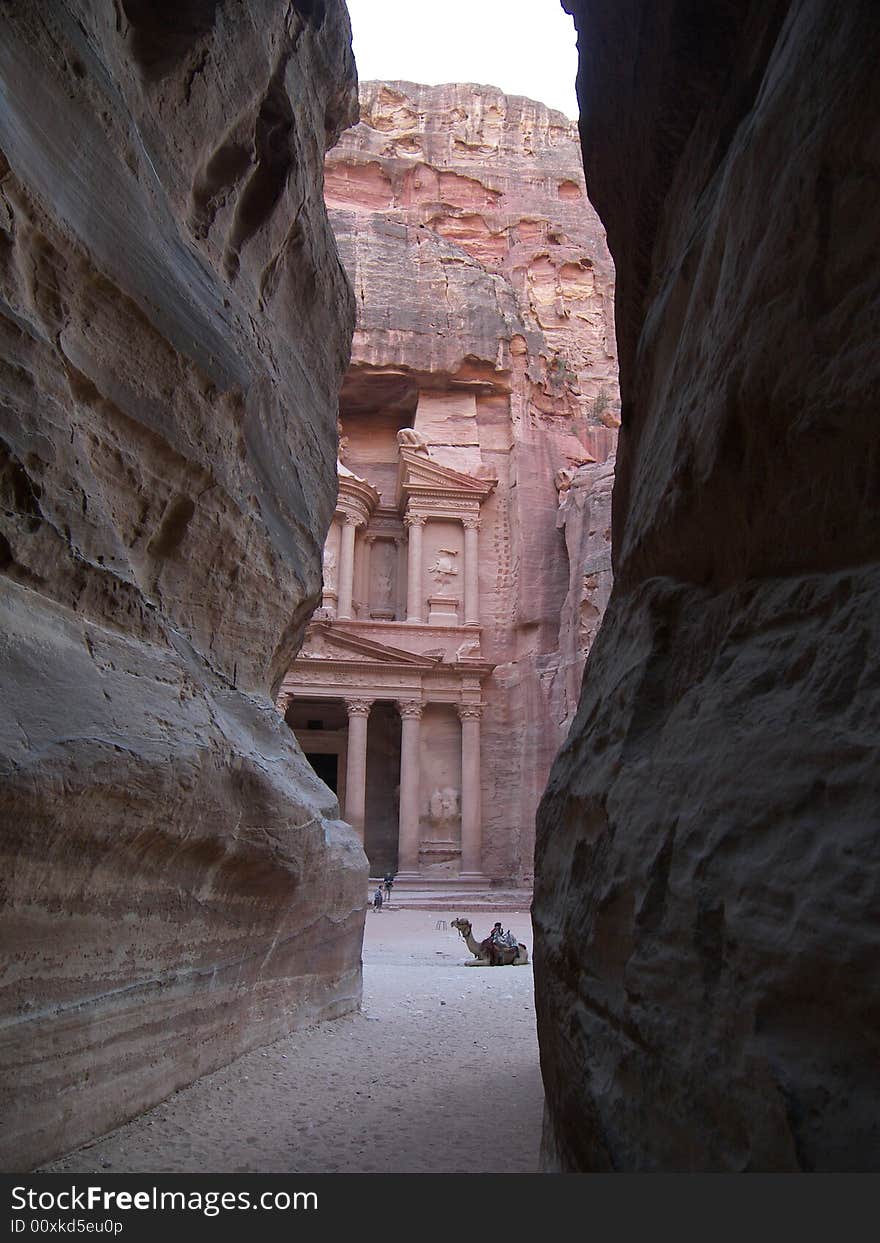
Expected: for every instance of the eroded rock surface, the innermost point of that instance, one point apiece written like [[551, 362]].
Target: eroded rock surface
[[485, 297], [173, 327], [707, 945], [584, 517], [462, 216]]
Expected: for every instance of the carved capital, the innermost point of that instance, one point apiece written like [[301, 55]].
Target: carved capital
[[352, 520], [282, 703], [415, 520], [471, 523], [411, 708], [358, 707], [470, 712]]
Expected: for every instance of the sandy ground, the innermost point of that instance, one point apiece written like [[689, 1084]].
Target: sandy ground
[[438, 1073]]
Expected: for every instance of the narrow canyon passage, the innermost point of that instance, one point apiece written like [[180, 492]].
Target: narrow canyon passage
[[438, 1073], [323, 405]]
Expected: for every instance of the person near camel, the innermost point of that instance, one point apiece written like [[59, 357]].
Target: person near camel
[[490, 946], [491, 952], [496, 936], [495, 942]]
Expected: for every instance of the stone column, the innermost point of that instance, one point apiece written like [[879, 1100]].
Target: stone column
[[471, 571], [414, 523], [471, 810], [410, 772], [356, 765], [345, 585]]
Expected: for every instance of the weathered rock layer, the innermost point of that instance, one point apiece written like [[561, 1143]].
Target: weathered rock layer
[[173, 328], [707, 943]]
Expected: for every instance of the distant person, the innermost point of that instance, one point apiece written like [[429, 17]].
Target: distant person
[[377, 899], [388, 882]]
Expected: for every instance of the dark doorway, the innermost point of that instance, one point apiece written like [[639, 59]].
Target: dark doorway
[[327, 768]]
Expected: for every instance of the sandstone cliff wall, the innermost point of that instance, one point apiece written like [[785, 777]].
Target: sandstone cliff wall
[[584, 517], [485, 294], [706, 943], [173, 328]]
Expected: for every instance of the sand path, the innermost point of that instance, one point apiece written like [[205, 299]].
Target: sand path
[[438, 1073]]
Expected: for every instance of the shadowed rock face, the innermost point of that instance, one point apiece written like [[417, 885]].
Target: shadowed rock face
[[706, 944], [174, 324]]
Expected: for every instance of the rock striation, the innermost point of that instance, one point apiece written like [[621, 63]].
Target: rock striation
[[707, 855], [461, 215], [174, 324], [485, 296]]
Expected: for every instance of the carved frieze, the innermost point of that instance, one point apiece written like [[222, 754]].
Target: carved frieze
[[455, 509], [387, 523]]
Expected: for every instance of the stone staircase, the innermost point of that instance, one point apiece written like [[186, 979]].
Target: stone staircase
[[453, 897]]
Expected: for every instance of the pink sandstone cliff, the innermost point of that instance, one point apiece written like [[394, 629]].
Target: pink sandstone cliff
[[484, 291], [584, 517], [173, 328], [706, 907]]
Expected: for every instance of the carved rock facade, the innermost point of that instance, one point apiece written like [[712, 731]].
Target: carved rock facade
[[173, 329], [483, 364], [706, 936]]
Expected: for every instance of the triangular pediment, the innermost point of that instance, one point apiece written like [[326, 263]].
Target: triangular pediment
[[324, 642], [418, 473]]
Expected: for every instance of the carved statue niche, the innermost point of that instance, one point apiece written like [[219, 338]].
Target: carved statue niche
[[329, 570], [440, 849], [342, 451], [330, 574], [383, 584], [383, 575]]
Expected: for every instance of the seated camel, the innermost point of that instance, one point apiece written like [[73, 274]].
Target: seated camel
[[487, 953]]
